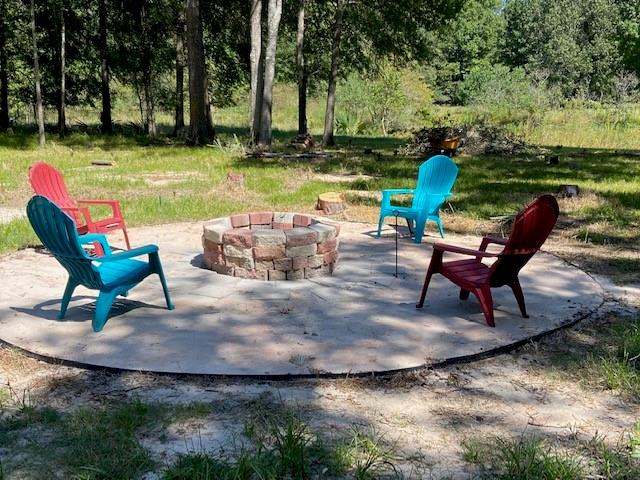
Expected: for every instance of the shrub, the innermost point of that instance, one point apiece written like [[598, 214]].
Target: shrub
[[386, 101], [505, 94]]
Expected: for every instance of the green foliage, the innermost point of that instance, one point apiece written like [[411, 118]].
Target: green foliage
[[522, 459], [387, 101], [574, 44]]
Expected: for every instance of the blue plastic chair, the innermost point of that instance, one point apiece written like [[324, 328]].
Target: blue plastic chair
[[111, 274], [436, 177]]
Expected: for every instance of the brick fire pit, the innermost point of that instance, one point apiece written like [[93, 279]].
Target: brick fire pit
[[270, 246]]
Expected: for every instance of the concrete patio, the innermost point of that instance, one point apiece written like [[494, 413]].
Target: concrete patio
[[360, 320]]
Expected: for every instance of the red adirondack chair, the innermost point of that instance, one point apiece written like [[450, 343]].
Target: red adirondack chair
[[531, 228], [49, 182]]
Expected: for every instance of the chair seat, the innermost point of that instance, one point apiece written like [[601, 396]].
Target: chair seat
[[470, 272], [114, 274], [109, 223]]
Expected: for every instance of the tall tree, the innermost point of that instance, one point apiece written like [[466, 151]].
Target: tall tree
[[328, 138], [256, 67], [302, 73], [36, 78], [274, 14], [62, 117], [200, 125], [105, 114], [179, 113], [4, 76]]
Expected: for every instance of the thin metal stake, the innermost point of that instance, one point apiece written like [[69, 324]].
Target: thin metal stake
[[396, 212]]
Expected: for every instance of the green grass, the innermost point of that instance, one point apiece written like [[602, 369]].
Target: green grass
[[533, 458], [162, 181], [609, 360], [86, 443]]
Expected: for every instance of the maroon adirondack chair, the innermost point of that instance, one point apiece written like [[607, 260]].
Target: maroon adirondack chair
[[49, 182], [531, 228]]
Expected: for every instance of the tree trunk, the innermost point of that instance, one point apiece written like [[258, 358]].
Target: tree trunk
[[200, 126], [302, 74], [36, 78], [273, 23], [147, 74], [256, 68], [62, 117], [4, 76], [179, 117], [105, 115], [329, 115]]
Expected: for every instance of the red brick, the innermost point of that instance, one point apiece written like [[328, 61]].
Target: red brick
[[328, 245], [223, 269], [282, 226], [299, 236], [330, 257], [264, 264], [210, 246], [268, 253], [240, 220], [251, 274], [316, 272], [238, 237], [301, 220], [261, 218], [298, 263], [241, 262], [214, 257], [283, 264], [277, 275], [295, 274]]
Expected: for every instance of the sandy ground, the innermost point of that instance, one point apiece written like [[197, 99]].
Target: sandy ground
[[425, 415]]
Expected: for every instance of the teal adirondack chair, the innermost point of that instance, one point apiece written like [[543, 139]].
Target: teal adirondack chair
[[111, 274], [436, 177]]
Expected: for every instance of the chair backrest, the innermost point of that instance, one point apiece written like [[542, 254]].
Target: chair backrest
[[531, 228], [57, 232], [47, 181], [435, 176]]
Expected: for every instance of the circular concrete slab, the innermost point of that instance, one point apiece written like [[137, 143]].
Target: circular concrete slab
[[361, 320]]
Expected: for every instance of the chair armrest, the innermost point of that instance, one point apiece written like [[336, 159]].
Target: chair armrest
[[387, 194], [486, 241], [96, 237], [134, 252], [114, 204], [443, 247]]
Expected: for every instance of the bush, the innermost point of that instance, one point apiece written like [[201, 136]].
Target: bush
[[505, 94], [386, 101]]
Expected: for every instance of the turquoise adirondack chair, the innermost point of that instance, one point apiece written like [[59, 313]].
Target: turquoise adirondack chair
[[436, 177], [111, 274]]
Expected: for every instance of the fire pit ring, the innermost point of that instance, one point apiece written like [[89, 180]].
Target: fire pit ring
[[270, 246]]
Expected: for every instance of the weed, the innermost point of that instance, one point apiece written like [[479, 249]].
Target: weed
[[521, 459]]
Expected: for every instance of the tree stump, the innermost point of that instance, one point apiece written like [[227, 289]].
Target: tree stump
[[331, 203], [568, 191]]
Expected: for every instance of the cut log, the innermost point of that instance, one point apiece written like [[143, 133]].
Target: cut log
[[568, 191], [331, 203]]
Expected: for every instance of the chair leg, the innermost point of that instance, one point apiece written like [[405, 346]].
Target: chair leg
[[103, 306], [126, 236], [517, 291], [410, 225], [157, 266], [440, 227], [68, 292], [486, 303], [380, 222], [464, 294], [419, 231], [97, 249], [434, 267]]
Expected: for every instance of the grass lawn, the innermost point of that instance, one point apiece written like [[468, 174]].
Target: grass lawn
[[162, 181]]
